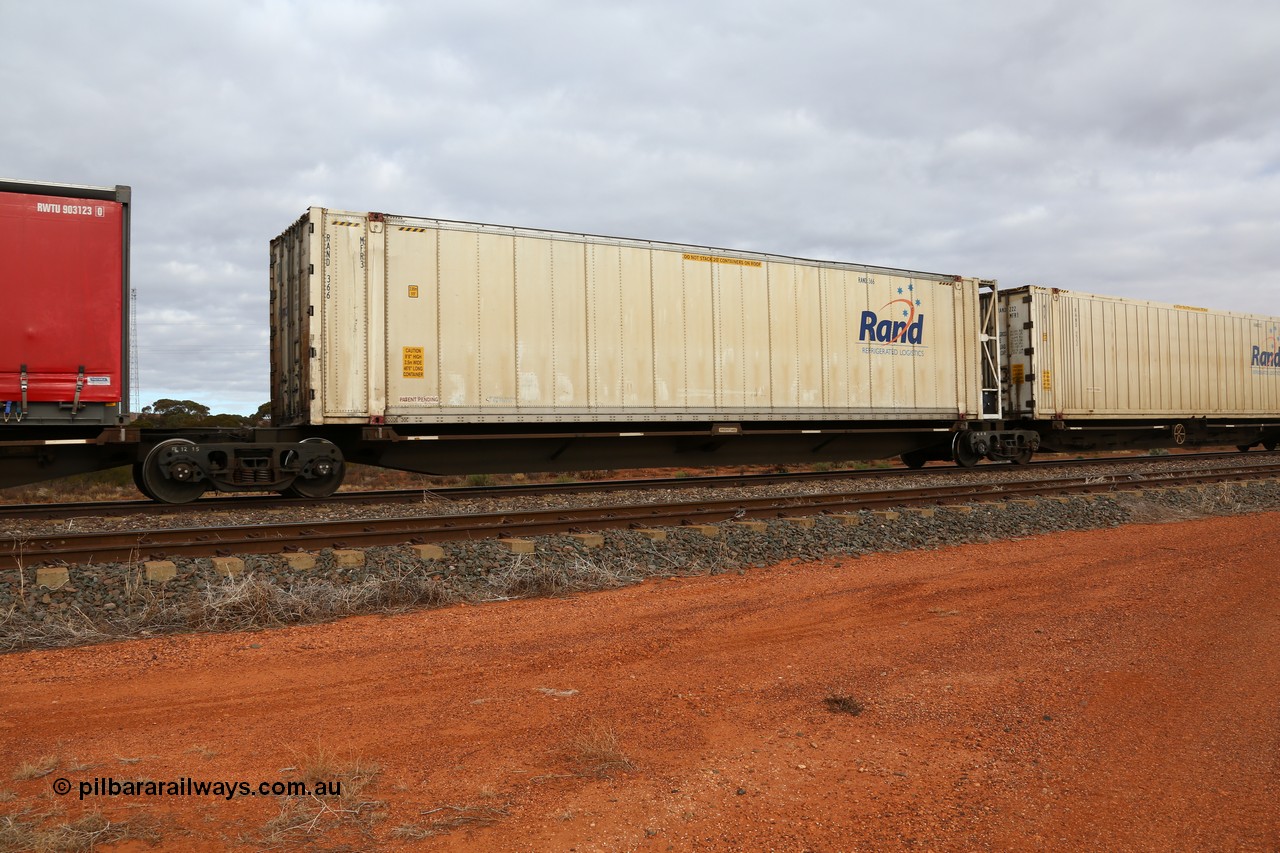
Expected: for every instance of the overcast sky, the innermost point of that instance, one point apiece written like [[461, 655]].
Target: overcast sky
[[1125, 148]]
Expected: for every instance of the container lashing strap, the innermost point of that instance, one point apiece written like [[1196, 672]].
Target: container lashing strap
[[22, 384], [75, 403]]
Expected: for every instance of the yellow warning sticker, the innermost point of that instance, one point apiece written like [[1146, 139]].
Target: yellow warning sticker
[[712, 259], [1016, 373], [413, 291], [413, 362], [1045, 380]]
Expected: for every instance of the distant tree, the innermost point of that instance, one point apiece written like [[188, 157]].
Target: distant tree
[[177, 414], [176, 409], [173, 413], [262, 417]]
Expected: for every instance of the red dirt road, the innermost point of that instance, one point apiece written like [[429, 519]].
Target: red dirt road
[[1114, 690]]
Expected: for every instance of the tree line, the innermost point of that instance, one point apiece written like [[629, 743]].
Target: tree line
[[188, 413]]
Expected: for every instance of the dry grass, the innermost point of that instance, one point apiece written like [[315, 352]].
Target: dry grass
[[352, 811], [255, 601], [323, 764], [244, 603], [48, 832], [72, 627], [1210, 500], [596, 752], [450, 818], [37, 769], [522, 577]]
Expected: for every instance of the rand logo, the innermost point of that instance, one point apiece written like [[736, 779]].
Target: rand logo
[[902, 321]]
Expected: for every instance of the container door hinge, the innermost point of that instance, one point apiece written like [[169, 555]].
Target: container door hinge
[[311, 310]]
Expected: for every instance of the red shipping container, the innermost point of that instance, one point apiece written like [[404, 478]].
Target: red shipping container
[[62, 270]]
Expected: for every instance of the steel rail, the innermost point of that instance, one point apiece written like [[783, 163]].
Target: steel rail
[[116, 546], [109, 509]]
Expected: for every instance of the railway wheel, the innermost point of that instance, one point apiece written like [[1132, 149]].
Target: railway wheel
[[914, 459], [963, 452], [140, 483], [1243, 448], [181, 486], [323, 485], [1022, 457], [1269, 444]]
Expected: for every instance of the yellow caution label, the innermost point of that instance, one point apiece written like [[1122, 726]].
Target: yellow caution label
[[712, 259], [1046, 381], [413, 291], [1016, 373], [1191, 308], [413, 362]]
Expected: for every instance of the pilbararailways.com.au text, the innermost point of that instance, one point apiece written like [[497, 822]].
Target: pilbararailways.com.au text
[[106, 786]]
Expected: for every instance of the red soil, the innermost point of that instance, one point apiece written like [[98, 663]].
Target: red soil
[[1101, 690]]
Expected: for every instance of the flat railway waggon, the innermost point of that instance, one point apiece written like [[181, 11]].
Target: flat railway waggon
[[454, 347]]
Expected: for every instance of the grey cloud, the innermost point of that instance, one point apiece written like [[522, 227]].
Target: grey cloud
[[1123, 147]]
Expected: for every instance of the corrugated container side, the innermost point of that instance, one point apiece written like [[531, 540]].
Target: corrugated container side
[[1077, 355], [429, 321], [64, 264]]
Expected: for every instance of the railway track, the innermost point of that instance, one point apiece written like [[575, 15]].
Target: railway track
[[116, 546], [107, 509]]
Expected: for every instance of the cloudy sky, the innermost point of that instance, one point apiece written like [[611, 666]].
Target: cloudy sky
[[1126, 147]]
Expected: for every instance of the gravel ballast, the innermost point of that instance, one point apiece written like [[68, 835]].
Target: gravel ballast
[[113, 600]]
